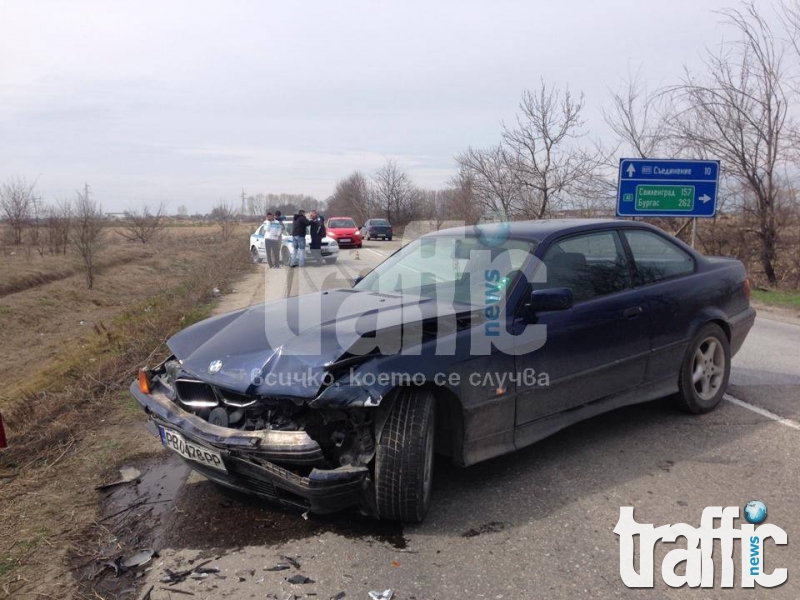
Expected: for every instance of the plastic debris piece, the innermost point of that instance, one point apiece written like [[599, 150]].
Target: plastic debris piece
[[384, 595], [139, 559], [299, 579], [292, 561], [338, 596], [126, 475], [206, 570], [278, 567]]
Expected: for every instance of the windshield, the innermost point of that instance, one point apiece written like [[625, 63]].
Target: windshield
[[450, 267], [341, 223], [379, 223]]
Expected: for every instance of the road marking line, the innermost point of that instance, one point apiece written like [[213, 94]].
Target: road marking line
[[381, 254], [763, 412]]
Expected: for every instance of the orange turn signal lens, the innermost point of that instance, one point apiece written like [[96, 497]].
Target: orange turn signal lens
[[144, 381]]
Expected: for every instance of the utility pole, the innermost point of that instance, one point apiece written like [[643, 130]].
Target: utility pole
[[86, 191], [242, 210]]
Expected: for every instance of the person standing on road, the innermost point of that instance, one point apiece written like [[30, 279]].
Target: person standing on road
[[299, 227], [317, 233], [272, 241]]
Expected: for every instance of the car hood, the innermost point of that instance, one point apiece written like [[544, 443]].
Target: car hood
[[343, 230], [283, 348]]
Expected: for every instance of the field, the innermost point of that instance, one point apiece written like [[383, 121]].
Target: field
[[69, 355]]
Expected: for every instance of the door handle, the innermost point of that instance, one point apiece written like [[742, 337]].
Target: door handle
[[632, 312]]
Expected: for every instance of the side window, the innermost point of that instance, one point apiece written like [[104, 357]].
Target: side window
[[260, 231], [657, 259], [590, 265]]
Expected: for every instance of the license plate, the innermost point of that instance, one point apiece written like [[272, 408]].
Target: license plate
[[191, 451], [344, 239]]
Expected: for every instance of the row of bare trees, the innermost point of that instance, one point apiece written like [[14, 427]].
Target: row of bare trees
[[738, 108]]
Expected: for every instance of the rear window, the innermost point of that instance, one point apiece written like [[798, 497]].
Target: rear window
[[341, 223], [379, 223], [657, 259]]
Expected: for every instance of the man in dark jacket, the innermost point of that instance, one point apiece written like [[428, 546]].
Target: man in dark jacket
[[317, 233], [299, 239]]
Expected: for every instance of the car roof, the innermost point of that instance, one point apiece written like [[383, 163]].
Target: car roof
[[540, 229], [351, 218]]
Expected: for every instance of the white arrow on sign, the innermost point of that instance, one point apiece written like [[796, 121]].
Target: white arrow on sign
[[631, 170], [704, 198]]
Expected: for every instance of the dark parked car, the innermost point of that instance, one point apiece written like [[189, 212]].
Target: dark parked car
[[377, 228], [467, 343]]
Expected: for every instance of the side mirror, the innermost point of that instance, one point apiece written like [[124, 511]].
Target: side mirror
[[552, 299], [358, 280]]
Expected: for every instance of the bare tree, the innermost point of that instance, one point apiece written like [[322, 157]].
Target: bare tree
[[224, 215], [739, 112], [492, 181], [638, 118], [393, 192], [352, 198], [87, 232], [462, 203], [57, 223], [541, 148], [143, 224], [16, 199]]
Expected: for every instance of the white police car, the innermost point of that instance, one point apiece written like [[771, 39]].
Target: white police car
[[329, 250]]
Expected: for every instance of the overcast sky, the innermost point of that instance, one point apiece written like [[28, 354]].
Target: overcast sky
[[189, 102]]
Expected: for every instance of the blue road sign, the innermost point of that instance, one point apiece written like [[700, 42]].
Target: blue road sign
[[667, 188]]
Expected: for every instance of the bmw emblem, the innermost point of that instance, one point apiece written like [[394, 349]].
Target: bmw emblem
[[215, 366]]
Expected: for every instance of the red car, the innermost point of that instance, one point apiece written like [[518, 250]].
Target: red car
[[344, 231]]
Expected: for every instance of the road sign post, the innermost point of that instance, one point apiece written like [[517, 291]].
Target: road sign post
[[667, 188]]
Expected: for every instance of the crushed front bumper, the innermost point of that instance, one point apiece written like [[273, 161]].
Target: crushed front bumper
[[250, 459]]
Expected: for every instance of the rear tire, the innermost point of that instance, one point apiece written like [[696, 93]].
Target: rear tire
[[286, 256], [404, 458], [330, 261], [705, 371], [388, 239]]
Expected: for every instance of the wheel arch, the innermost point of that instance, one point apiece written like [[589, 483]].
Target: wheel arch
[[449, 419]]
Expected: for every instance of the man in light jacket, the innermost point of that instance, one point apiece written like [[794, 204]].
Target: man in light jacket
[[272, 241]]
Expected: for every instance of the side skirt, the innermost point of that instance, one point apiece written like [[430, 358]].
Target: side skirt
[[537, 430]]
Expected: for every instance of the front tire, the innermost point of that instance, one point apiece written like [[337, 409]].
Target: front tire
[[404, 458], [254, 254], [286, 256], [705, 371]]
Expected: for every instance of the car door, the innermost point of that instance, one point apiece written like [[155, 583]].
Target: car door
[[665, 277], [258, 237], [598, 347]]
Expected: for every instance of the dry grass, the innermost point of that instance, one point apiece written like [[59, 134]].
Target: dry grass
[[69, 418]]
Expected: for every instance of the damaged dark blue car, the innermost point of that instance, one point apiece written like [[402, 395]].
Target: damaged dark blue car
[[467, 343]]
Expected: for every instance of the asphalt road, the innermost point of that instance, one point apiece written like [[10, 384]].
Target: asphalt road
[[536, 524]]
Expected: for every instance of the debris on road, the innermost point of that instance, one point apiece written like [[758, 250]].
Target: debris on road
[[292, 561], [338, 596], [384, 595], [126, 475], [278, 567], [176, 577], [139, 559], [299, 579]]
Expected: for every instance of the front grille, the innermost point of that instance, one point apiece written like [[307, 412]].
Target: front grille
[[195, 393]]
